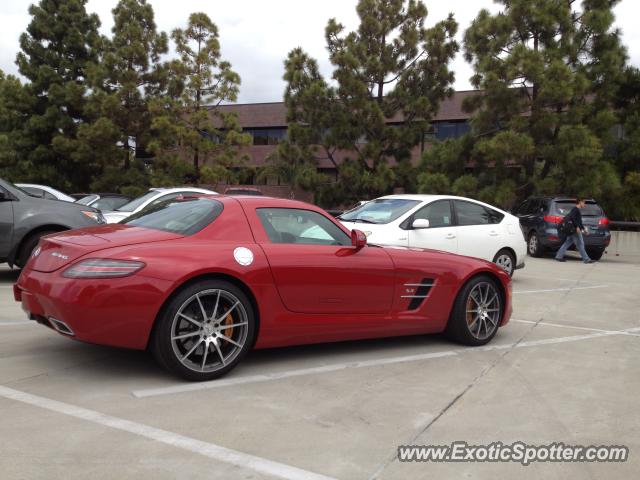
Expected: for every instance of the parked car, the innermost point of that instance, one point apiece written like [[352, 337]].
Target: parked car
[[442, 222], [540, 218], [43, 191], [243, 191], [25, 218], [202, 280], [152, 197], [104, 201]]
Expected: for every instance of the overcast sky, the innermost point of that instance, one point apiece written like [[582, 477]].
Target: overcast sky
[[256, 35]]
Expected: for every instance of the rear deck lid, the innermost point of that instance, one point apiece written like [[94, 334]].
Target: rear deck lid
[[60, 249]]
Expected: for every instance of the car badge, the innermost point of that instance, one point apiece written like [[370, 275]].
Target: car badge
[[59, 255], [36, 252], [243, 256]]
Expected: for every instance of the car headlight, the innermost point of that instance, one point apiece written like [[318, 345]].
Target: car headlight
[[95, 216], [102, 268]]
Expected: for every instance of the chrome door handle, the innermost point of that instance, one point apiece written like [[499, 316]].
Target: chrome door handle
[[451, 235], [402, 238], [493, 233]]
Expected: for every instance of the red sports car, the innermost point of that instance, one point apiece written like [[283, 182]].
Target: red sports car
[[201, 280]]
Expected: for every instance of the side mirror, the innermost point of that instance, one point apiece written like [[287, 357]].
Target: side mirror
[[420, 223], [358, 239]]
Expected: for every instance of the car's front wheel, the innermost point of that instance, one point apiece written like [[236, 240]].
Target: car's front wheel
[[506, 261], [205, 331], [477, 312]]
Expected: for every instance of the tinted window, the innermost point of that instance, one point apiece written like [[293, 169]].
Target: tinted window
[[184, 217], [438, 214], [383, 210], [590, 209], [32, 191], [290, 225], [473, 214]]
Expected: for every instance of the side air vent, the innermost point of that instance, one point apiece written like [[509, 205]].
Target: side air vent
[[419, 291]]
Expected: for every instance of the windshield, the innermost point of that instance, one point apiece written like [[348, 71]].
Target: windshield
[[383, 210], [87, 200], [136, 202], [184, 217]]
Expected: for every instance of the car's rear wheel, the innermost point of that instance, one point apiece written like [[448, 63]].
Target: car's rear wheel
[[595, 253], [506, 261], [534, 247], [205, 330], [29, 244], [477, 312]]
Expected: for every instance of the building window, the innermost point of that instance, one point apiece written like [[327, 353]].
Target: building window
[[444, 130], [267, 136]]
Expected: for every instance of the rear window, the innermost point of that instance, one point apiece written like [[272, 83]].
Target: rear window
[[184, 217], [591, 209]]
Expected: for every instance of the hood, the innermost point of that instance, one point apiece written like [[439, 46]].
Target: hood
[[57, 250]]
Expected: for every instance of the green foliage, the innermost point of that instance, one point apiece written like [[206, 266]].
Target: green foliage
[[189, 117], [548, 71], [56, 53], [465, 186], [392, 66], [433, 183]]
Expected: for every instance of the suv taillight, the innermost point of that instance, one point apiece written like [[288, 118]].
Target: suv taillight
[[603, 222], [553, 219]]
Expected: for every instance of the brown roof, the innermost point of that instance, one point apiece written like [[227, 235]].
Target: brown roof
[[274, 114]]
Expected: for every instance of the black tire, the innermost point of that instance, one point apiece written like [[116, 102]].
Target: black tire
[[183, 356], [28, 245], [506, 260], [595, 253], [461, 323], [534, 247]]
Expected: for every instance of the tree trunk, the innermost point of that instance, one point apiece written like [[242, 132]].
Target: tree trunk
[[127, 161]]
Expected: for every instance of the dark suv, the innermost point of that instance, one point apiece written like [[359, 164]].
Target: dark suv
[[25, 218], [540, 218]]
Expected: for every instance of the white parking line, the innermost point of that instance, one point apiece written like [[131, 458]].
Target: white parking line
[[191, 387], [564, 289], [210, 450], [576, 327]]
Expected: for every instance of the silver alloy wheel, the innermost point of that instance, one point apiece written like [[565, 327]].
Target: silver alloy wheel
[[504, 261], [483, 310], [209, 330], [533, 244]]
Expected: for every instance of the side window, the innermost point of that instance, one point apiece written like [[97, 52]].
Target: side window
[[472, 214], [438, 213], [292, 225], [494, 216], [48, 195]]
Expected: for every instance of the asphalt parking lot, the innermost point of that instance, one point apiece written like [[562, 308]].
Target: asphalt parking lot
[[566, 369]]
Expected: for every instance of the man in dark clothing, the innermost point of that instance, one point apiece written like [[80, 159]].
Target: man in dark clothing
[[576, 237]]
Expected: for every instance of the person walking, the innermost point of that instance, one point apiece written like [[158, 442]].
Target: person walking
[[576, 237]]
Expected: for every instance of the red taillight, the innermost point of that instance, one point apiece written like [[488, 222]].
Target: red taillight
[[102, 268], [603, 222], [553, 219]]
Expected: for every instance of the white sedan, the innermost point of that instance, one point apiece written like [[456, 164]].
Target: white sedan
[[152, 197], [442, 222]]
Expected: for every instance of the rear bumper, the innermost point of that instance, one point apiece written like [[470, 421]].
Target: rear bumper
[[552, 241], [116, 312]]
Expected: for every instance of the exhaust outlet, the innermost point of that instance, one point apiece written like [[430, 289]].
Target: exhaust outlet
[[61, 327]]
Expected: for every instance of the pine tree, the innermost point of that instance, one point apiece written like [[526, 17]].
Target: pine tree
[[57, 51], [130, 75], [548, 71], [188, 120], [391, 67]]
